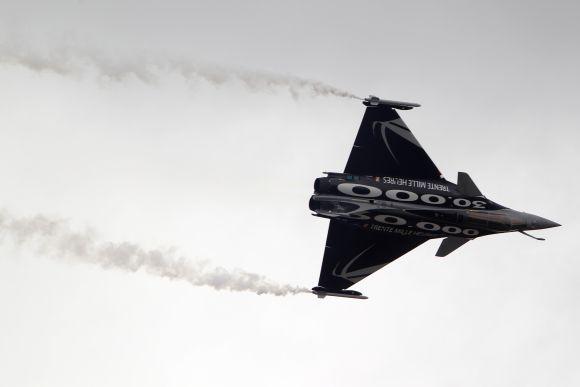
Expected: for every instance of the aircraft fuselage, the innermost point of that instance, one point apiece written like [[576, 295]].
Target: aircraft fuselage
[[424, 208]]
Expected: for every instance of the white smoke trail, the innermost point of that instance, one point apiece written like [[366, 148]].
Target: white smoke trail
[[53, 237], [76, 62]]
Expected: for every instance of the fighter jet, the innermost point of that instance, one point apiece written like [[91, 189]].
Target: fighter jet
[[392, 198]]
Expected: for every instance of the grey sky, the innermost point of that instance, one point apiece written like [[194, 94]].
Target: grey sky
[[224, 174]]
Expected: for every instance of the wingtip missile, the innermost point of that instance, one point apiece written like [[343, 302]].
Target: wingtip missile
[[322, 292], [373, 101]]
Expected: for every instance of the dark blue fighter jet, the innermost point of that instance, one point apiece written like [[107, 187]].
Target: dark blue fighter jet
[[391, 198]]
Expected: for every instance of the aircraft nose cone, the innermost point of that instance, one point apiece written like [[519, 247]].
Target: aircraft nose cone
[[537, 222], [548, 223]]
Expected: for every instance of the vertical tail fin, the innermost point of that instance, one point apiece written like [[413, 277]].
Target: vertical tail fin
[[466, 186]]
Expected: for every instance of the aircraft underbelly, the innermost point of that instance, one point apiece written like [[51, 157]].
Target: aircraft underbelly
[[383, 216]]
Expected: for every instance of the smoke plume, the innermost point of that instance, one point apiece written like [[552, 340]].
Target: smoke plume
[[77, 62], [54, 238]]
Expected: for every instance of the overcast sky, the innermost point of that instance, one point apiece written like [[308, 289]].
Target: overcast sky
[[101, 125]]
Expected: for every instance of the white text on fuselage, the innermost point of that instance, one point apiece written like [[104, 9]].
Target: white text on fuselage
[[412, 183], [400, 195], [396, 230]]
